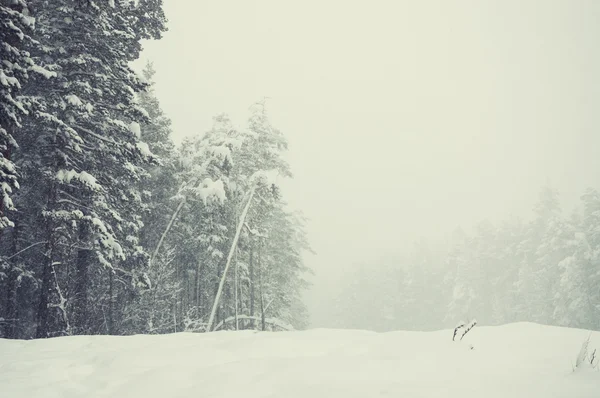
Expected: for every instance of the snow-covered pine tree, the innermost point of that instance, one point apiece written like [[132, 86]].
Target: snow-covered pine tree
[[538, 269], [159, 187], [591, 229], [279, 270], [474, 274], [576, 292], [151, 311], [509, 235], [463, 295], [262, 152], [255, 170], [87, 154], [425, 271], [196, 228], [15, 28]]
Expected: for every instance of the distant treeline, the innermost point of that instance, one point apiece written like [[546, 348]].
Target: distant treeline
[[546, 271]]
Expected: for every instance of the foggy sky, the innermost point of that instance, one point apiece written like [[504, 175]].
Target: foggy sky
[[405, 119]]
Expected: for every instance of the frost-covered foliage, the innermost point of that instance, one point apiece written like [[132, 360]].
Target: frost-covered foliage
[[87, 156], [221, 172], [16, 26], [80, 158], [88, 237]]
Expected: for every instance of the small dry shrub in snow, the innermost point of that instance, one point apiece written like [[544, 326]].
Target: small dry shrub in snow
[[463, 328], [585, 358]]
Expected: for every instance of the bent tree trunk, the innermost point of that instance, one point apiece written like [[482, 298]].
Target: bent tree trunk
[[229, 257], [166, 231]]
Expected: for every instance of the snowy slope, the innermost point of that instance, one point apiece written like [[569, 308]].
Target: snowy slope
[[517, 360]]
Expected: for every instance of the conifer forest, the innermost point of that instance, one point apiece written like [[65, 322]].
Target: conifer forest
[[108, 225]]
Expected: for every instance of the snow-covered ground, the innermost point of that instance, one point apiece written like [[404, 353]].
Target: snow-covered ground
[[516, 360]]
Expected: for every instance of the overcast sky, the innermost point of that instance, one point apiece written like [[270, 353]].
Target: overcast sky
[[405, 118]]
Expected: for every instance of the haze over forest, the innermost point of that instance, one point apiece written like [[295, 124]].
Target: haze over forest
[[406, 120]]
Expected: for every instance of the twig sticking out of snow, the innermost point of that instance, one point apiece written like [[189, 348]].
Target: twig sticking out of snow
[[584, 357], [457, 328], [463, 329], [469, 327], [583, 353]]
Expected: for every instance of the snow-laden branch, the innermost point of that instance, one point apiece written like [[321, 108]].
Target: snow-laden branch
[[27, 248], [269, 304], [204, 189]]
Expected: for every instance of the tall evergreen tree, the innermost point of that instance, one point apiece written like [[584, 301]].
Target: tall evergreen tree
[[86, 154], [15, 29]]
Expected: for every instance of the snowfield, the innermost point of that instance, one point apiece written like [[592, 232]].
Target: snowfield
[[516, 360]]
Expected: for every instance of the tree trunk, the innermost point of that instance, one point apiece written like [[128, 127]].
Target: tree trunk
[[262, 297], [225, 302], [175, 316], [81, 309], [10, 314], [251, 287], [43, 317], [229, 256], [183, 297], [235, 288], [200, 312], [111, 327], [197, 289]]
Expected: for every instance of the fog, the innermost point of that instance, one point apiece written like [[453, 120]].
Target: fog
[[405, 119]]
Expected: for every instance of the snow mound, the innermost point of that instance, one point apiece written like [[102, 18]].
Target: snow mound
[[516, 360]]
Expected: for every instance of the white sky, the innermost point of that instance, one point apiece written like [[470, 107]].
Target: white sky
[[405, 118]]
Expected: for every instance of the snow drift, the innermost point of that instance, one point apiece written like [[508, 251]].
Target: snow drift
[[516, 360]]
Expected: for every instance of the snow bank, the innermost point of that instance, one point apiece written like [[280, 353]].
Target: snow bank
[[517, 360]]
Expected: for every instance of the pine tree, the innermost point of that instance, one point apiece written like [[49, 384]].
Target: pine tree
[[577, 298], [161, 183], [15, 29], [510, 234], [540, 251], [463, 295], [86, 154]]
